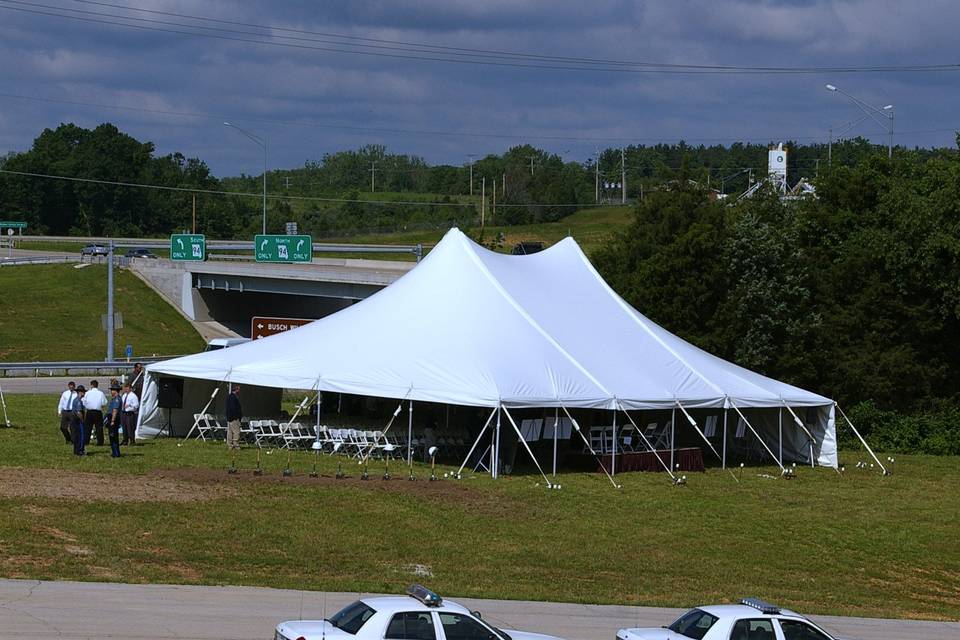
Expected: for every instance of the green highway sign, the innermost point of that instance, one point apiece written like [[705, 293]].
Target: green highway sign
[[7, 224], [188, 246], [269, 248]]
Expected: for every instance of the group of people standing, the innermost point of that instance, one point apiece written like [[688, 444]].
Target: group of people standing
[[84, 412]]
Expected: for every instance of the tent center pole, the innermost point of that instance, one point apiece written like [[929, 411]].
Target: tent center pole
[[780, 432], [495, 448]]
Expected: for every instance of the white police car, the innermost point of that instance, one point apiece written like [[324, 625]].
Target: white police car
[[420, 615], [752, 619]]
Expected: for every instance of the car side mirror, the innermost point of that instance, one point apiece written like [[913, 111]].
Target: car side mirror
[[476, 614]]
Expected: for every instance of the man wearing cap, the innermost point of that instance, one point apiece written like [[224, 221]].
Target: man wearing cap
[[76, 422], [93, 402], [128, 414], [113, 420], [64, 408]]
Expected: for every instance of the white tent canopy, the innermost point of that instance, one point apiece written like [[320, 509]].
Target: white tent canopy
[[472, 327]]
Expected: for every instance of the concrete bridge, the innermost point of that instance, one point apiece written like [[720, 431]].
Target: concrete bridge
[[230, 293]]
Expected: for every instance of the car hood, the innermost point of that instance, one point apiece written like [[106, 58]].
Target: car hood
[[651, 633], [526, 635], [311, 630]]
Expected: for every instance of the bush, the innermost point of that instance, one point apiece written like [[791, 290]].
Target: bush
[[934, 432]]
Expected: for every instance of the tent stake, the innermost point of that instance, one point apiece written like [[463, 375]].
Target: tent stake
[[475, 443], [885, 472], [527, 447]]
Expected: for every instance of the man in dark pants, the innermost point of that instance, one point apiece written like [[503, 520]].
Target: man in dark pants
[[93, 401], [64, 408], [113, 420], [76, 422], [128, 414]]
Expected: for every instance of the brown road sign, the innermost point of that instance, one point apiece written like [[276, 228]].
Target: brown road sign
[[261, 327]]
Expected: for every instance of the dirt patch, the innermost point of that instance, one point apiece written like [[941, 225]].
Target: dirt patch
[[100, 487], [444, 490]]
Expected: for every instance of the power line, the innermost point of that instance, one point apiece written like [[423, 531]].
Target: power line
[[117, 183], [505, 59]]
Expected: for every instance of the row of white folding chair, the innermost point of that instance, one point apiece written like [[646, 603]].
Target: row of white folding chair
[[266, 432], [296, 435]]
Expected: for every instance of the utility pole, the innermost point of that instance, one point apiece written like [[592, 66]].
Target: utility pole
[[830, 150], [110, 301], [818, 167], [596, 179], [194, 213], [470, 155], [373, 176], [531, 164], [503, 187], [483, 202], [623, 178], [493, 208]]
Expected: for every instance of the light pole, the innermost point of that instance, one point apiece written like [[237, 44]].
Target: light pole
[[263, 143], [872, 111]]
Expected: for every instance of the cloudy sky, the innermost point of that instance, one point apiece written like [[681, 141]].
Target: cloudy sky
[[316, 77]]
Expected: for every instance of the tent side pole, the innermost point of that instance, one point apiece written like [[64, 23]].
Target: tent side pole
[[526, 446], [410, 434], [885, 472], [495, 449], [476, 442], [556, 426], [613, 454], [780, 432], [754, 431], [724, 461], [696, 427], [646, 440], [673, 429]]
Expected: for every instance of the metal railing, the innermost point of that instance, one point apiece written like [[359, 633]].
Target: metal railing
[[12, 262], [71, 367]]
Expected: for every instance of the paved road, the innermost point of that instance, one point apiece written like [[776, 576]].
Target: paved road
[[75, 610], [44, 384]]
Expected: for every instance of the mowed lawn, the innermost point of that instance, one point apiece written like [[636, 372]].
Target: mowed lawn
[[53, 312], [856, 544]]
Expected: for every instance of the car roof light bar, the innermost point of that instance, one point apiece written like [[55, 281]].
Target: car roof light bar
[[761, 605], [424, 595]]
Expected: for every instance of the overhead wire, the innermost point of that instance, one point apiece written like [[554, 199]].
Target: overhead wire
[[412, 52]]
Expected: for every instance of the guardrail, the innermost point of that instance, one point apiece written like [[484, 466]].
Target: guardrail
[[67, 368], [12, 262]]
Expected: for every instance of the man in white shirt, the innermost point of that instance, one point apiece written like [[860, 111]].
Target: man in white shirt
[[130, 405], [64, 408], [93, 402]]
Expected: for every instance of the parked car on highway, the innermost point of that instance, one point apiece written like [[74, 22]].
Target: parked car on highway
[[140, 253], [94, 250], [419, 615], [752, 619]]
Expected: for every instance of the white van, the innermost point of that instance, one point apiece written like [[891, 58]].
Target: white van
[[223, 343]]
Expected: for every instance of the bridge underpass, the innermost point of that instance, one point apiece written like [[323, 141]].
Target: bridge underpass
[[231, 293]]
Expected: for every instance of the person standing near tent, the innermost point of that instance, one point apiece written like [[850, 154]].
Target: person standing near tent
[[76, 421], [136, 379], [234, 415], [128, 414], [64, 409], [113, 420], [93, 402]]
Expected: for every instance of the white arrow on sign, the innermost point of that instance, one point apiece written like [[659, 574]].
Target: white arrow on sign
[[263, 245], [259, 326]]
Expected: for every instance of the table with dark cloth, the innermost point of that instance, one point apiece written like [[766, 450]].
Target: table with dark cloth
[[689, 459]]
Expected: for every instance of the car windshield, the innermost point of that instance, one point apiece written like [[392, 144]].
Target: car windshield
[[693, 624], [352, 617]]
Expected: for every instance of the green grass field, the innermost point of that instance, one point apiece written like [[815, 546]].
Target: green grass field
[[52, 312], [857, 544]]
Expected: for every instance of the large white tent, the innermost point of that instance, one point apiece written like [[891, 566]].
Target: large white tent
[[472, 327]]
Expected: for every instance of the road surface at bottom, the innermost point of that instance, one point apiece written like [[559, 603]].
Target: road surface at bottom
[[77, 610]]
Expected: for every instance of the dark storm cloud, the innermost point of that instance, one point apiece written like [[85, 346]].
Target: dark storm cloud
[[53, 57]]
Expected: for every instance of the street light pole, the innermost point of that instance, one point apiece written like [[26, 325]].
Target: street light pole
[[263, 143], [872, 111]]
